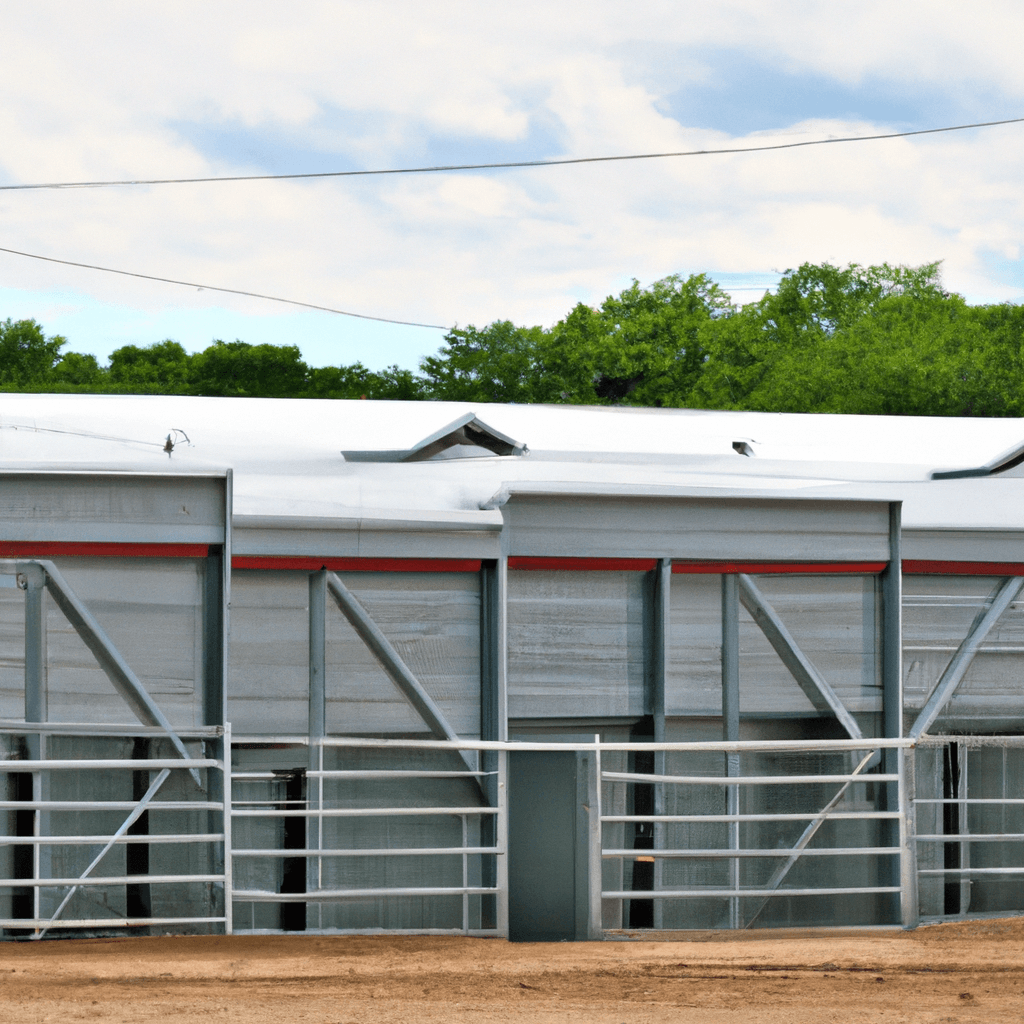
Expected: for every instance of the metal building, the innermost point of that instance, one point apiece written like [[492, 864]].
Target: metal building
[[544, 672]]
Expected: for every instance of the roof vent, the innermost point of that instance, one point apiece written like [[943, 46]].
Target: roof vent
[[467, 430]]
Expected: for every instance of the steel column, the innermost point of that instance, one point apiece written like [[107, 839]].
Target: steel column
[[661, 625], [317, 731], [731, 721], [595, 929]]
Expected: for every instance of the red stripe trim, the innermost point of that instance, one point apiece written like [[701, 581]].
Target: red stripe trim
[[925, 567], [47, 549], [584, 564], [356, 564], [830, 568]]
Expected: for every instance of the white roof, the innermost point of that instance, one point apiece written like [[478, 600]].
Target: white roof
[[287, 461]]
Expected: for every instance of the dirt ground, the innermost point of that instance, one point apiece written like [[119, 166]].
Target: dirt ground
[[971, 971]]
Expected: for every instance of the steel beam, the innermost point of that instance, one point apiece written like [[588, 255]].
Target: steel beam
[[810, 680], [125, 681], [391, 661], [1000, 600], [731, 721], [658, 641]]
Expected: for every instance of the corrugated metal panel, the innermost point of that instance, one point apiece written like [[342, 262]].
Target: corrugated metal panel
[[432, 619], [151, 609], [575, 644], [833, 619], [751, 528], [963, 545], [938, 612], [109, 507], [268, 672]]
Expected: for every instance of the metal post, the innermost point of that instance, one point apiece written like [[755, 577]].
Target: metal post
[[32, 580], [892, 665], [661, 623], [908, 842], [595, 928], [731, 722], [317, 731], [501, 844], [229, 882]]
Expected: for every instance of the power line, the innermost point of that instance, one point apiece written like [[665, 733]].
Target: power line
[[508, 164], [230, 291]]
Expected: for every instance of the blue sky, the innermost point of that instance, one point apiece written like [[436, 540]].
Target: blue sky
[[354, 85]]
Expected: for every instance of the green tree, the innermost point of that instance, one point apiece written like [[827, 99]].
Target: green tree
[[783, 352], [496, 363], [641, 347], [27, 356], [78, 372], [252, 371], [356, 381], [163, 368]]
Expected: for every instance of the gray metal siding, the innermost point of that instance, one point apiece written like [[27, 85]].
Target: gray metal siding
[[575, 644], [938, 612], [709, 528], [432, 619], [151, 609]]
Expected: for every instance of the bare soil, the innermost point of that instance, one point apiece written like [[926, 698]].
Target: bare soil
[[971, 971]]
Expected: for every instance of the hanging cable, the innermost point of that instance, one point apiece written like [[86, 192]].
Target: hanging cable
[[229, 291], [507, 164]]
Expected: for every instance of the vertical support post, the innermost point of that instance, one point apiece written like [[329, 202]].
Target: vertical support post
[[465, 875], [731, 722], [501, 845], [493, 703], [214, 693], [661, 625], [32, 580], [908, 842], [596, 872], [229, 883], [317, 731], [892, 664], [965, 828]]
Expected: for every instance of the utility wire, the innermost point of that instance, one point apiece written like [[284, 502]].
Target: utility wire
[[508, 164], [230, 291]]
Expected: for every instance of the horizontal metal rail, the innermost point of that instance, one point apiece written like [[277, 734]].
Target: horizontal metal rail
[[742, 780], [364, 812], [972, 871], [32, 923], [94, 880], [704, 894], [108, 805], [323, 895], [16, 728], [969, 800], [137, 764], [853, 851], [429, 851], [675, 819], [400, 773], [981, 837], [149, 838]]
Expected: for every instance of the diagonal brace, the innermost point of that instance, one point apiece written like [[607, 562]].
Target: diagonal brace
[[128, 822], [125, 681], [808, 834], [391, 661], [1002, 597], [807, 676]]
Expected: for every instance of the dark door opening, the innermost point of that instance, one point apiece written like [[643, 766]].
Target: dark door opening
[[293, 869]]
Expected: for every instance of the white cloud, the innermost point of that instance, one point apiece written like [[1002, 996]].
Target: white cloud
[[395, 82]]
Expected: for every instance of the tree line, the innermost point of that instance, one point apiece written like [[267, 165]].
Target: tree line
[[872, 340]]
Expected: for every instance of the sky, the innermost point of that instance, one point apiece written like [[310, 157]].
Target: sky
[[225, 88]]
